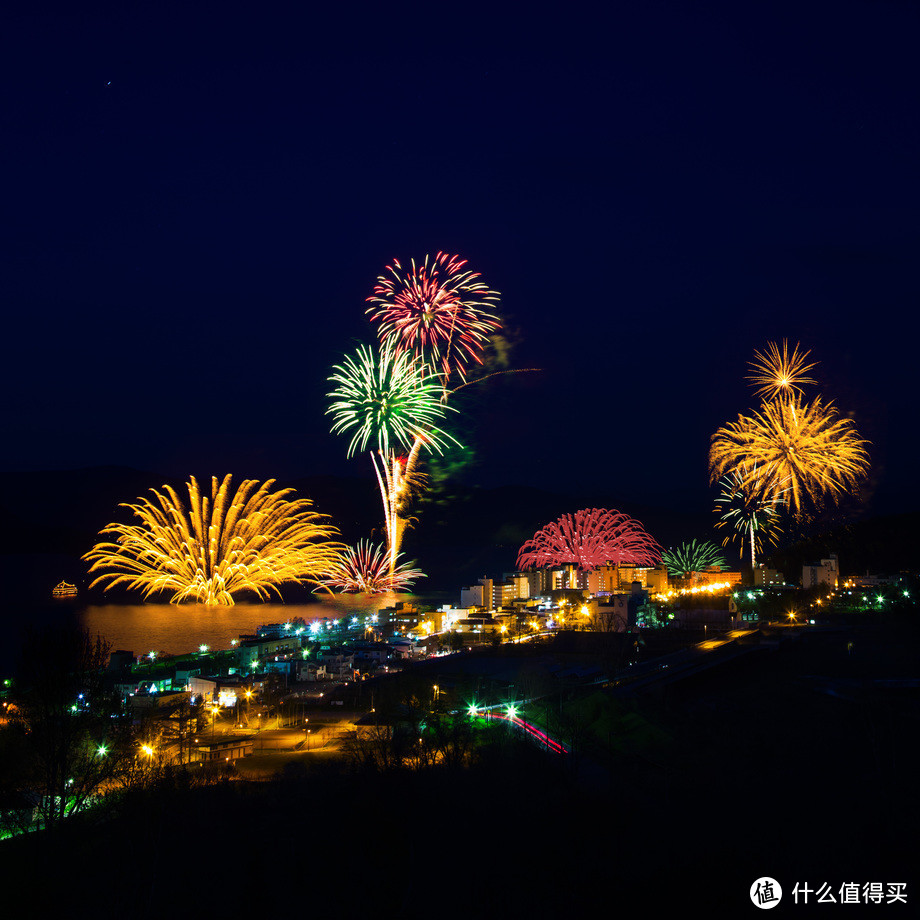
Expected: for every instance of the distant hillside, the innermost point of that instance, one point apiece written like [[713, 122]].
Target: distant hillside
[[475, 532], [883, 545]]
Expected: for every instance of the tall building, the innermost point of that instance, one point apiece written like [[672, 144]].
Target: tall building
[[656, 579], [763, 577], [603, 580], [520, 585], [474, 596], [827, 573], [478, 595]]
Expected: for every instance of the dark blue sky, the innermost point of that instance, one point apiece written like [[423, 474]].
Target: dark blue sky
[[197, 203]]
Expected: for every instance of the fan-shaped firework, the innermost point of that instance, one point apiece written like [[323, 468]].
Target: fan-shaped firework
[[438, 310], [590, 538], [252, 540], [388, 398], [776, 371], [753, 518], [365, 568], [692, 557], [802, 450]]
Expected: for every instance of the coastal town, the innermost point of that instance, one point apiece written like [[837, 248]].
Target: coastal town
[[302, 687]]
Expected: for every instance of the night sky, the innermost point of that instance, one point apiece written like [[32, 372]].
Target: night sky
[[196, 205]]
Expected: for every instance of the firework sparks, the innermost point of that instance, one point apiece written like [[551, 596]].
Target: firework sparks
[[251, 540], [438, 310], [387, 397], [396, 482], [800, 450], [692, 557], [776, 371], [366, 569], [590, 538], [752, 517]]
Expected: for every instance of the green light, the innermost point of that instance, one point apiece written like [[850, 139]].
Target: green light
[[512, 712], [473, 710], [102, 750]]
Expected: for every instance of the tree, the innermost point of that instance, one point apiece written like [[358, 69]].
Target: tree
[[70, 741]]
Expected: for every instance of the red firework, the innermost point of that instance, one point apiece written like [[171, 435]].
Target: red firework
[[590, 538], [437, 310], [365, 568]]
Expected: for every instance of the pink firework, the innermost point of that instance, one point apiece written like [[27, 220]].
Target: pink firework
[[365, 569], [438, 310], [590, 538]]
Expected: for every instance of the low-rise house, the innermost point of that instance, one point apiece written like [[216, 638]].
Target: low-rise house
[[221, 748], [339, 662], [311, 671]]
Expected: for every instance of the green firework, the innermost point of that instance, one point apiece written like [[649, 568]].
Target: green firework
[[692, 557], [389, 398]]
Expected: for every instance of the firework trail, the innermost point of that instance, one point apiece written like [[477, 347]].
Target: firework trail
[[753, 518]]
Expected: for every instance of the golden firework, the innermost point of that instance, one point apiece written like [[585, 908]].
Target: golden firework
[[777, 371], [251, 540], [791, 449]]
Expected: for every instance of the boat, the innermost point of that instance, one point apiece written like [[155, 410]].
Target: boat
[[64, 590]]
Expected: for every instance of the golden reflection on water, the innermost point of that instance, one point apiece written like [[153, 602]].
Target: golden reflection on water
[[178, 628]]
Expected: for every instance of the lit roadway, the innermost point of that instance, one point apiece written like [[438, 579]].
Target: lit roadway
[[687, 661]]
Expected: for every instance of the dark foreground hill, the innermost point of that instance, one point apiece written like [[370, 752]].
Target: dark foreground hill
[[796, 762]]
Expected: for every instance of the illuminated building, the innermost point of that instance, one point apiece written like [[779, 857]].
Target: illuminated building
[[824, 574], [478, 595], [656, 579], [716, 576], [265, 649], [232, 748], [764, 577], [604, 579], [400, 619]]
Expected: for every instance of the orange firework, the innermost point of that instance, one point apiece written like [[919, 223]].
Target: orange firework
[[777, 371], [791, 449]]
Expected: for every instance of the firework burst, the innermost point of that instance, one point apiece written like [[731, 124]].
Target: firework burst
[[590, 538], [791, 448], [388, 398], [692, 557], [438, 310], [251, 540], [366, 569], [753, 518], [776, 371]]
